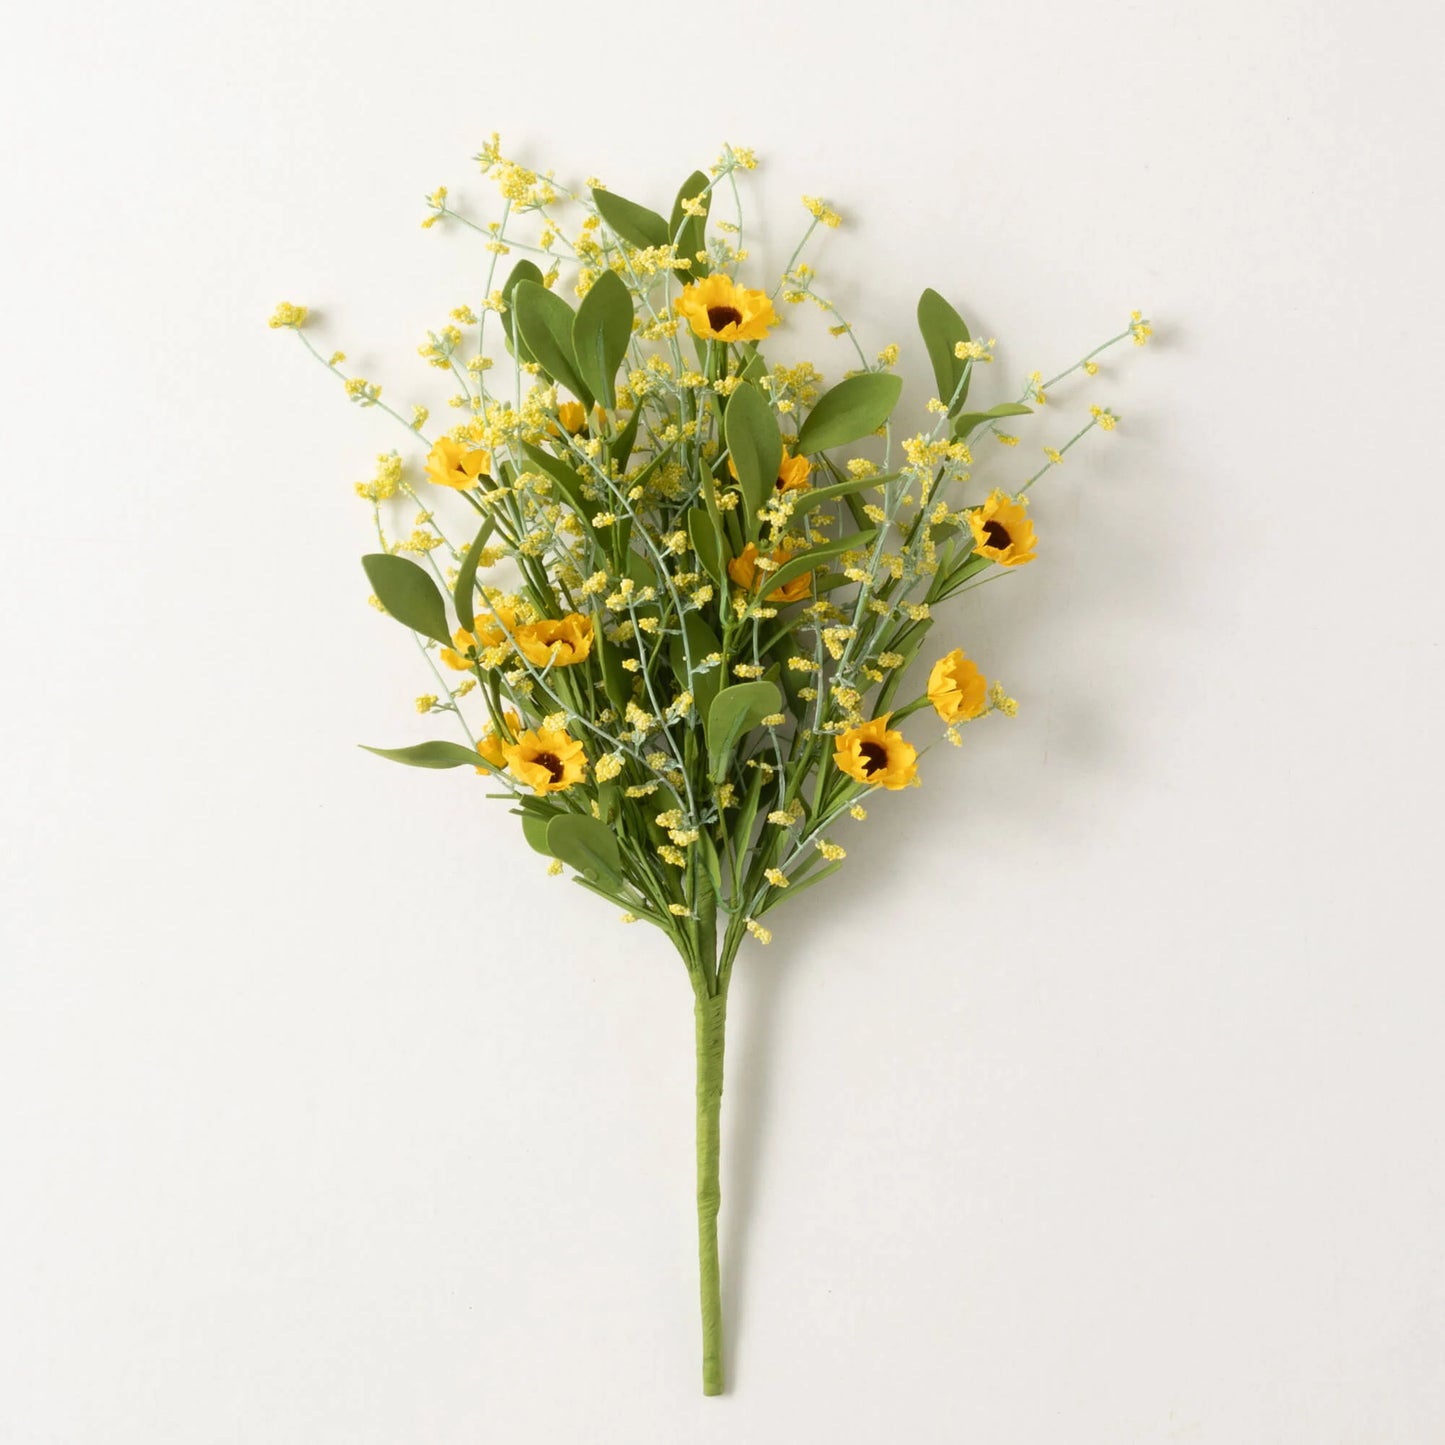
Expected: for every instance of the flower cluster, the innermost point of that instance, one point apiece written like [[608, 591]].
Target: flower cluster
[[712, 572], [672, 590]]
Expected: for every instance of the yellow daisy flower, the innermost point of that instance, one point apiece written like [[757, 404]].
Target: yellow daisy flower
[[546, 759], [490, 632], [718, 309], [560, 643], [492, 742], [877, 755], [1002, 530], [956, 688], [451, 464], [744, 570]]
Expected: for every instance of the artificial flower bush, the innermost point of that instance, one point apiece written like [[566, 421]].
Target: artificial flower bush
[[673, 607]]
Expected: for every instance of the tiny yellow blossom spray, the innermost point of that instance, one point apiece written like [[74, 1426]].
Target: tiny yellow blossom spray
[[670, 590]]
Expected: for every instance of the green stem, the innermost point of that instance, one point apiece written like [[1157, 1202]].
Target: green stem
[[711, 1018]]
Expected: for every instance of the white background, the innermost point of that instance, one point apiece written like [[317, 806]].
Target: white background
[[1097, 1101]]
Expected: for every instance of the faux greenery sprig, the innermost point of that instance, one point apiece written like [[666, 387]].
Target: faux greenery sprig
[[677, 631]]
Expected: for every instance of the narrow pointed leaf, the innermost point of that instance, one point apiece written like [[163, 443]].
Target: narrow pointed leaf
[[689, 233], [756, 448], [942, 329], [408, 594], [431, 755], [805, 502], [464, 593], [601, 333], [705, 542], [632, 222], [815, 557], [545, 321], [969, 420]]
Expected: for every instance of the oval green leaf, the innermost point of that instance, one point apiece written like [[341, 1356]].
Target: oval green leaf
[[408, 594], [545, 321], [735, 711], [632, 222], [601, 333], [523, 271], [855, 408], [588, 846], [942, 329], [689, 233]]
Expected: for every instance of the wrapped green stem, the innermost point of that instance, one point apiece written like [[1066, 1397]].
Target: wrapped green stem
[[711, 1018]]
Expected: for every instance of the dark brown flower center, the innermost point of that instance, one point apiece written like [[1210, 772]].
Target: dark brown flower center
[[720, 316], [875, 757], [996, 535], [552, 763]]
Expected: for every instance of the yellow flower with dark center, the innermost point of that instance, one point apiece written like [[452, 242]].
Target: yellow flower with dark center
[[573, 416], [877, 755], [956, 688], [492, 743], [1002, 530], [744, 570], [546, 759], [558, 643], [718, 309], [489, 632], [451, 464]]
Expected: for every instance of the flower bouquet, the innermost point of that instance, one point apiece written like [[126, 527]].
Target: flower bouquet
[[670, 589]]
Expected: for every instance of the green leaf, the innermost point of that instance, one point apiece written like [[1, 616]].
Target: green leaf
[[689, 233], [756, 448], [747, 814], [943, 329], [600, 335], [588, 846], [623, 442], [616, 680], [780, 895], [431, 755], [522, 271], [816, 556], [967, 421], [855, 408], [701, 642], [409, 594], [545, 321], [804, 502], [569, 480], [464, 593], [705, 542], [735, 711], [632, 222], [534, 830]]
